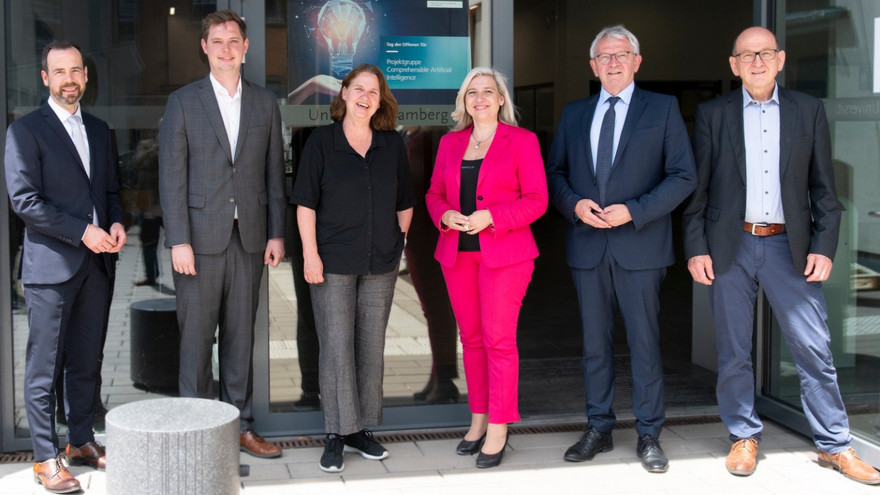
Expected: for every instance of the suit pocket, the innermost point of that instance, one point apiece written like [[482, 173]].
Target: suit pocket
[[196, 201], [712, 213]]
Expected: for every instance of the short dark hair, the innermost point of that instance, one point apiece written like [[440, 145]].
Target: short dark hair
[[386, 116], [222, 17], [56, 45]]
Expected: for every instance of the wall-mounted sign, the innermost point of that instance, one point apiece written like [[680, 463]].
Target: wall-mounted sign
[[422, 46]]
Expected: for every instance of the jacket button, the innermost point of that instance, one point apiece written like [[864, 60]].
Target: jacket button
[[232, 199], [480, 198]]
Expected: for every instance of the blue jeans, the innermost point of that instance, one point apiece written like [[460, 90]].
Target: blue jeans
[[799, 307], [351, 315]]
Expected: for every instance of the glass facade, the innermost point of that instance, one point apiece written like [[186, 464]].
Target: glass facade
[[831, 53], [139, 51]]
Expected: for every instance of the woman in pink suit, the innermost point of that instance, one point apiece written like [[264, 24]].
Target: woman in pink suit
[[488, 186]]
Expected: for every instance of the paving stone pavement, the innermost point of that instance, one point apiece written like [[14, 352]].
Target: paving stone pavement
[[532, 465]]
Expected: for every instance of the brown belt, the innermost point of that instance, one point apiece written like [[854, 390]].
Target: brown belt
[[764, 229]]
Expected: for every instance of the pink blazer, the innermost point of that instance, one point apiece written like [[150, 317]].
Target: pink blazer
[[512, 185]]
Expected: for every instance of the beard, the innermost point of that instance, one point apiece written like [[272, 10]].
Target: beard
[[69, 98]]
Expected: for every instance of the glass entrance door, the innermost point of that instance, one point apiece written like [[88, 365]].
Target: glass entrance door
[[831, 49]]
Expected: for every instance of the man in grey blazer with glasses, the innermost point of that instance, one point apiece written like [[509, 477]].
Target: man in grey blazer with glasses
[[221, 184]]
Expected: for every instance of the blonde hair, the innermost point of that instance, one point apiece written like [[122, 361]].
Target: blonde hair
[[506, 113]]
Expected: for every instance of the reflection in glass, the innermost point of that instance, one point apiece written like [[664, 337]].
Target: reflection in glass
[[133, 60], [827, 61]]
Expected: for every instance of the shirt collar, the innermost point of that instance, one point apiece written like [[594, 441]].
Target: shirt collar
[[625, 95], [747, 98], [61, 112], [219, 89]]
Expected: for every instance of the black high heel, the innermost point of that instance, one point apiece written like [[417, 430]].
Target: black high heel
[[492, 460], [466, 447]]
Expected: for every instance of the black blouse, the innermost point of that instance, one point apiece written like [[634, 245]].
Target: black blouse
[[356, 199], [470, 172]]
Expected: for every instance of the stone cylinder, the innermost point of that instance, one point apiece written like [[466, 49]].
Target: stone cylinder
[[173, 446]]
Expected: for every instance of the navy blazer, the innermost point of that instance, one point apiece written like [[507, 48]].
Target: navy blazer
[[653, 171], [52, 194], [714, 215]]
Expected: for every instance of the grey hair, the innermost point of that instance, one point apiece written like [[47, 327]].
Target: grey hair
[[506, 113], [617, 32]]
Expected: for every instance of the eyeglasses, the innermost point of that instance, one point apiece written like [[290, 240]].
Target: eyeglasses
[[749, 57], [605, 58]]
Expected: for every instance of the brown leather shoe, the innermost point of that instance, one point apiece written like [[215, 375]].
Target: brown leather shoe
[[91, 454], [849, 464], [54, 476], [254, 445], [741, 460]]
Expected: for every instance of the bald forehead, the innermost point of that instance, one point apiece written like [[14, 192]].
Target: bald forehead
[[755, 38]]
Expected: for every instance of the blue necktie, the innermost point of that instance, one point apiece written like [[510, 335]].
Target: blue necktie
[[604, 152]]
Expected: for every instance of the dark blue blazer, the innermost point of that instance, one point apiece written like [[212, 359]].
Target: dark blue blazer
[[52, 194], [653, 171]]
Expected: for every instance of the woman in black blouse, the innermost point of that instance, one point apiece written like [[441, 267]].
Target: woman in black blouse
[[355, 199]]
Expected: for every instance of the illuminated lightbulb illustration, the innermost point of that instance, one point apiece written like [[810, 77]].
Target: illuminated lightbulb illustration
[[342, 22]]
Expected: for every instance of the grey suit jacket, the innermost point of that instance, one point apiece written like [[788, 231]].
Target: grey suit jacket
[[201, 183], [714, 214]]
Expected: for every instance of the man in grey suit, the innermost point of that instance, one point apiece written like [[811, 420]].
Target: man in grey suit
[[765, 212], [61, 176], [221, 185]]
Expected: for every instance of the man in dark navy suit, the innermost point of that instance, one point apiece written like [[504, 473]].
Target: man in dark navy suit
[[61, 178], [620, 163]]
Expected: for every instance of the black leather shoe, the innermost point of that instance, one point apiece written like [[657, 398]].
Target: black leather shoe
[[653, 458], [466, 447], [491, 460], [591, 443]]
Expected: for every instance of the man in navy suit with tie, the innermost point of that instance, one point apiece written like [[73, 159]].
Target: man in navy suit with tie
[[620, 163], [61, 178], [765, 212]]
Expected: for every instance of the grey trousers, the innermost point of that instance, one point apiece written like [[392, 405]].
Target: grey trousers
[[225, 292], [351, 315]]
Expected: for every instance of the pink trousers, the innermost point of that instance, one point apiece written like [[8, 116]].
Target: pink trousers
[[486, 302]]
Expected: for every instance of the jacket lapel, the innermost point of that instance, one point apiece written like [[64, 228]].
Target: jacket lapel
[[633, 114], [246, 104], [499, 144], [588, 123], [787, 119], [59, 129], [212, 111], [733, 119]]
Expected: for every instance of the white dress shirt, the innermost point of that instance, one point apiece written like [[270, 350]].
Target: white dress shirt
[[69, 122]]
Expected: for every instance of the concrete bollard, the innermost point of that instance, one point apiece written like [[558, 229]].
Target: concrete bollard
[[173, 446]]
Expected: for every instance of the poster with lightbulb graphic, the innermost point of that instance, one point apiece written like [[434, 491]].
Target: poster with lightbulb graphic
[[422, 46]]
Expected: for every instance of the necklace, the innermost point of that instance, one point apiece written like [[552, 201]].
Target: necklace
[[478, 142]]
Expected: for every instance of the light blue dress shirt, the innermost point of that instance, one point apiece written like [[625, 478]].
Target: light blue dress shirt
[[620, 110]]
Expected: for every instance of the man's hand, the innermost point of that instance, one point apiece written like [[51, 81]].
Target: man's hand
[[818, 268], [701, 269], [117, 232], [588, 211], [274, 252], [183, 260], [98, 240], [615, 215]]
